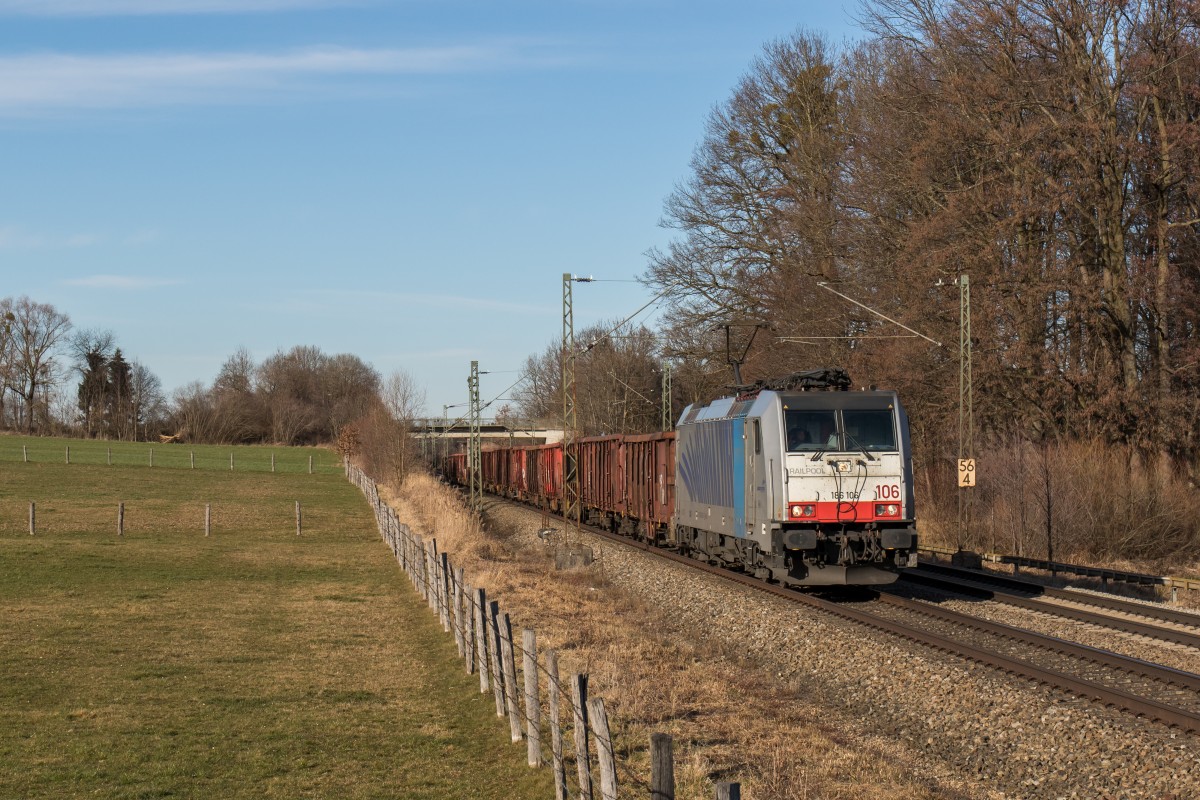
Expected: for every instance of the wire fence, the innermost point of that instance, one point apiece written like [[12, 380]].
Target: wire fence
[[174, 456], [483, 634]]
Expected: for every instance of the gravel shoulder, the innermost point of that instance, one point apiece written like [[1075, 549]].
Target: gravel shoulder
[[964, 730]]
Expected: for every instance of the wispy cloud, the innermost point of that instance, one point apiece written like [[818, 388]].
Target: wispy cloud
[[104, 8], [50, 82], [14, 237], [123, 282]]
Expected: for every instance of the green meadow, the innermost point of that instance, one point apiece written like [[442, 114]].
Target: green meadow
[[249, 663]]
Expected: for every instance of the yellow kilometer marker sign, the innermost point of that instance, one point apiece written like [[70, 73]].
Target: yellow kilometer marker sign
[[966, 472]]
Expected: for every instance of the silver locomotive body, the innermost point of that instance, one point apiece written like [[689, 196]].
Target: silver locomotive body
[[808, 488]]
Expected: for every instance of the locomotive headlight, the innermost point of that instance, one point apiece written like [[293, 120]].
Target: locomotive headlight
[[887, 510], [809, 511], [798, 510]]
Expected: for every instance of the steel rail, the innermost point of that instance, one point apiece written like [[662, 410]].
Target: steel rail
[[1108, 696], [1096, 655], [965, 586], [1101, 601]]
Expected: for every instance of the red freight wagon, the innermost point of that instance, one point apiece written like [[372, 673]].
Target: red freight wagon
[[514, 466], [626, 483], [458, 468], [650, 488], [548, 487], [491, 470], [601, 478]]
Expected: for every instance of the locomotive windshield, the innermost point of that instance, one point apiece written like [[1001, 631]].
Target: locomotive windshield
[[809, 431], [848, 429], [869, 430]]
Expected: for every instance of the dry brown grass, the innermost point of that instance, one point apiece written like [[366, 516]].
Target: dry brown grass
[[730, 719]]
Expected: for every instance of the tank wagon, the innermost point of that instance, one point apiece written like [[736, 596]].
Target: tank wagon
[[800, 481]]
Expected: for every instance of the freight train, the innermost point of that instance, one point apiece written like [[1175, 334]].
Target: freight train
[[801, 482]]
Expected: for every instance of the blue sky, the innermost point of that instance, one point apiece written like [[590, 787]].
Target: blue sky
[[405, 180]]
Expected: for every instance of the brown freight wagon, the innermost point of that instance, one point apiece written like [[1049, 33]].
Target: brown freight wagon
[[601, 480], [650, 482]]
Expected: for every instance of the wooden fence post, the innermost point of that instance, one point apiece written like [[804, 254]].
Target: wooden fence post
[[419, 565], [510, 679], [662, 768], [582, 764], [120, 519], [25, 453], [556, 740], [533, 702], [427, 576], [310, 465], [498, 686], [109, 459], [444, 583], [431, 566], [32, 518], [481, 656], [207, 518], [729, 791], [152, 457], [231, 462], [468, 595], [604, 748], [68, 454], [425, 571], [299, 524], [405, 549], [456, 608], [272, 462], [192, 455]]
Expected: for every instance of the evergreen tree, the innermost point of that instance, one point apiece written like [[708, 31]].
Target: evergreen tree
[[93, 391], [120, 397]]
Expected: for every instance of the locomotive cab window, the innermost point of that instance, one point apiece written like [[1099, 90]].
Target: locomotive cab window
[[869, 430], [810, 431]]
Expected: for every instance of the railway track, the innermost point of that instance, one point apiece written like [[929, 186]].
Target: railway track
[[1137, 687], [1164, 624]]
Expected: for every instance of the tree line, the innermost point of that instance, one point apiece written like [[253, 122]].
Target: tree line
[[1049, 150], [59, 380]]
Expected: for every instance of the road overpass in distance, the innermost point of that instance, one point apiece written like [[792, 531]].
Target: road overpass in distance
[[441, 436]]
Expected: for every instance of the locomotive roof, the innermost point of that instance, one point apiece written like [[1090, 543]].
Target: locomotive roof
[[757, 404], [850, 400]]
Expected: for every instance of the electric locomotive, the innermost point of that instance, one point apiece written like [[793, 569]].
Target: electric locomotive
[[799, 481]]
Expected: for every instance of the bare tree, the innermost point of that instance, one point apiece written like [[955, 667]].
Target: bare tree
[[240, 408], [147, 399], [194, 412], [402, 396], [387, 429], [38, 329], [310, 395], [7, 354]]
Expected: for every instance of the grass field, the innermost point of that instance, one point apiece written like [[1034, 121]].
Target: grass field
[[251, 663], [246, 458]]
